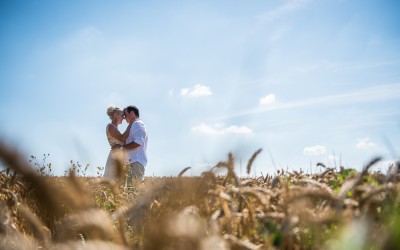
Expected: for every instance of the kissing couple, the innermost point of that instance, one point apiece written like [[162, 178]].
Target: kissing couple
[[128, 148]]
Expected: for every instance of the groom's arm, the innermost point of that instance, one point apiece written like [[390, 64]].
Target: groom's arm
[[137, 141], [130, 146]]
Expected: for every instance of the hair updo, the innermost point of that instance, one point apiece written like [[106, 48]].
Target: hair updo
[[111, 111]]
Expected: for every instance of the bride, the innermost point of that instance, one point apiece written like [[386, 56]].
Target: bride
[[115, 157]]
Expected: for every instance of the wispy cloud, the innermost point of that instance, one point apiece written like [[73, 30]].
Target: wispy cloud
[[221, 129], [268, 99], [375, 93], [288, 7], [315, 150], [196, 91], [365, 143], [324, 65]]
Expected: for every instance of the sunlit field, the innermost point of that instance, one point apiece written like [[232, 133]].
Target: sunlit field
[[332, 209]]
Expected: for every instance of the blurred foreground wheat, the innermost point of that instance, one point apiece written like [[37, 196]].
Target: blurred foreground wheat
[[342, 209]]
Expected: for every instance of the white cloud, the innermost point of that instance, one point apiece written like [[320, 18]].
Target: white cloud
[[196, 91], [237, 130], [220, 129], [370, 94], [268, 99], [315, 150], [364, 143], [205, 129]]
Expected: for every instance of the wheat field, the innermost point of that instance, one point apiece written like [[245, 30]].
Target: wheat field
[[334, 209]]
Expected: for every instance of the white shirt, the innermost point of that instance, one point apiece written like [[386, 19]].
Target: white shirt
[[137, 134]]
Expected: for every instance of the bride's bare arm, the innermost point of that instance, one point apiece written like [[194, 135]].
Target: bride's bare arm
[[116, 134], [126, 133]]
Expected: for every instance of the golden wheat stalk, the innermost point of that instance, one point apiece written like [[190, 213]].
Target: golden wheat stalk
[[252, 158], [183, 171]]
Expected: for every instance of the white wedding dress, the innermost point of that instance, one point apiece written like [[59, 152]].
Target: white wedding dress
[[114, 155]]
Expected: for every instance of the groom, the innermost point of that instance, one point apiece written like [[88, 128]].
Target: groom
[[135, 146]]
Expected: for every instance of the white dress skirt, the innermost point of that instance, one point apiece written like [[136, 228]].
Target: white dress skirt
[[115, 157]]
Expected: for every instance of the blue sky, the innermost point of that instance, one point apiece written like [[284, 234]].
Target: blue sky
[[306, 80]]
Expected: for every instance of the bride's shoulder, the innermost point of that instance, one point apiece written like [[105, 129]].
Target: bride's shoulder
[[111, 125]]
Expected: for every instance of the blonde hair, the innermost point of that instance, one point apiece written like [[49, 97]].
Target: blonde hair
[[111, 111]]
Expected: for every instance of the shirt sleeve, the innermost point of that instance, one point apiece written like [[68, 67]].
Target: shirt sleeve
[[137, 131]]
